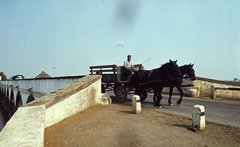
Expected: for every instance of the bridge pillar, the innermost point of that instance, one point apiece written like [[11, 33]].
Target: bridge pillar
[[198, 117], [136, 104]]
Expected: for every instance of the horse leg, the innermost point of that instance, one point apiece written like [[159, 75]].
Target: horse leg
[[181, 95], [154, 97], [170, 96], [159, 96]]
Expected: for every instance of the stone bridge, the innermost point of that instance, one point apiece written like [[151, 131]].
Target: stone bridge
[[15, 93]]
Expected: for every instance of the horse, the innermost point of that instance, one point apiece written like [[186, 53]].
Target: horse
[[168, 74], [187, 72]]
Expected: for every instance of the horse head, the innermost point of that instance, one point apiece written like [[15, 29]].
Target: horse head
[[172, 71], [188, 71]]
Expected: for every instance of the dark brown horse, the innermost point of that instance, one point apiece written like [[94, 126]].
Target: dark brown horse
[[167, 74], [187, 72]]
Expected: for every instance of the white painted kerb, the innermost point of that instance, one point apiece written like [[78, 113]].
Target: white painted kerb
[[136, 104], [198, 117]]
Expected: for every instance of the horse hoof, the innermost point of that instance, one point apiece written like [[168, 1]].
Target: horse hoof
[[159, 107], [170, 104]]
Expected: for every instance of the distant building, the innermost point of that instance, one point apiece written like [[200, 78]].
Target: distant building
[[42, 75]]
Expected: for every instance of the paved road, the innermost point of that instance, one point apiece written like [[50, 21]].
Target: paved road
[[216, 110]]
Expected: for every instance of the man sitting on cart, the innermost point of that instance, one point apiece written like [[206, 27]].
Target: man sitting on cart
[[128, 68]]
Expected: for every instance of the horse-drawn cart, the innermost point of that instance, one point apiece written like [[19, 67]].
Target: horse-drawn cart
[[112, 76], [168, 75]]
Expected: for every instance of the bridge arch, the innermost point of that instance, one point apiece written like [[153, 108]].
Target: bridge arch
[[6, 93], [3, 90], [1, 95], [30, 98], [19, 99], [12, 96], [5, 102]]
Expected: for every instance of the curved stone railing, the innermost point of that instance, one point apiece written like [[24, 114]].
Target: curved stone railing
[[216, 88], [26, 127]]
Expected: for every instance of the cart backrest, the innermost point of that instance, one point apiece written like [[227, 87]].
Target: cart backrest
[[119, 73], [111, 73], [103, 69]]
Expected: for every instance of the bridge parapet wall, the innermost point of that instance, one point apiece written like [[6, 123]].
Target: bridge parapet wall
[[35, 87], [204, 87], [26, 127]]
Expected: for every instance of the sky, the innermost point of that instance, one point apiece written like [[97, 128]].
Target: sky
[[64, 38]]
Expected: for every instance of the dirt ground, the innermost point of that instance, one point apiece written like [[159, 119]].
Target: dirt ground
[[116, 125]]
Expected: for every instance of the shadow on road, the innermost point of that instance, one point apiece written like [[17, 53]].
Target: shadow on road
[[181, 125]]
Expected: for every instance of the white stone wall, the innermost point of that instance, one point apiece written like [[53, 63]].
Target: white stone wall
[[204, 88], [74, 104], [26, 127]]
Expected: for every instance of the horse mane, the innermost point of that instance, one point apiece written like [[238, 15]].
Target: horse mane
[[163, 71], [163, 66]]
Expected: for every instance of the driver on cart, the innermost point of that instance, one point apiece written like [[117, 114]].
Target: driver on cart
[[128, 68]]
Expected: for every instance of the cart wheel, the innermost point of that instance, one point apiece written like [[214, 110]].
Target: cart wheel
[[121, 94], [116, 85]]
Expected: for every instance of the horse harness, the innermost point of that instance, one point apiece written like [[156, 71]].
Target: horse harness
[[141, 74]]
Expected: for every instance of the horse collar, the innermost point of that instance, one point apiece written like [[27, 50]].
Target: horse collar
[[149, 75]]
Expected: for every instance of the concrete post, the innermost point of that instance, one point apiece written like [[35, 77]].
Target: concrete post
[[136, 104], [193, 92], [212, 92], [198, 117]]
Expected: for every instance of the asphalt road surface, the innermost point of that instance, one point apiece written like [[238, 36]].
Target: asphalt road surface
[[221, 111]]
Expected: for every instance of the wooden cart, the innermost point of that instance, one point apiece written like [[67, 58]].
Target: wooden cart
[[112, 76]]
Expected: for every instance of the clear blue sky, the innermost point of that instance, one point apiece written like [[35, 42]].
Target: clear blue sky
[[72, 35]]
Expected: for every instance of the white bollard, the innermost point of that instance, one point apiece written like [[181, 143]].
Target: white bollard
[[136, 104], [198, 117]]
